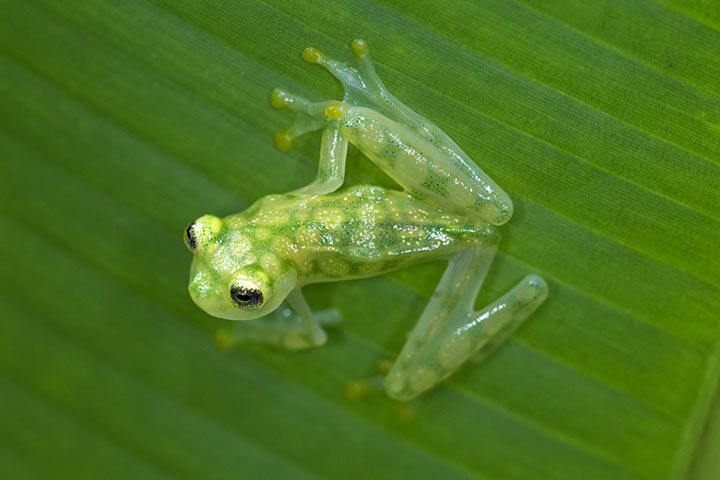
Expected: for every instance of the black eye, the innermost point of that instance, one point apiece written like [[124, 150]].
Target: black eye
[[190, 237], [246, 297]]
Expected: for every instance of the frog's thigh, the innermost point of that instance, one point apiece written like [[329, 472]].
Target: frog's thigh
[[460, 336]]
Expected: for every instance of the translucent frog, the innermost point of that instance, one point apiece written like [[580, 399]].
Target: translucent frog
[[255, 263]]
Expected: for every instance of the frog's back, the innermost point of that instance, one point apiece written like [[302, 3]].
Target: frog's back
[[366, 230]]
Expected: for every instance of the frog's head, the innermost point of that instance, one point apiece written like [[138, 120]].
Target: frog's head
[[226, 278]]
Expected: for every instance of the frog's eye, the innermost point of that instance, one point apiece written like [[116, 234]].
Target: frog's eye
[[246, 295], [190, 239], [202, 231]]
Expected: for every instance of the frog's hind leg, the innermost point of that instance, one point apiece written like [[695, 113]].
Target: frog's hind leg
[[450, 332]]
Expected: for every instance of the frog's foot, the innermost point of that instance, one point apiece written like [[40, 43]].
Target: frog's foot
[[308, 116], [360, 82], [282, 329]]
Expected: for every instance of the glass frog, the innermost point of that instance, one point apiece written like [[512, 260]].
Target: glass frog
[[255, 263]]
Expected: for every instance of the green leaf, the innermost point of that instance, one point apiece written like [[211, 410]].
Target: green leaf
[[122, 121]]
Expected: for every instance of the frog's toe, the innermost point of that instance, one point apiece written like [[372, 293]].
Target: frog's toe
[[280, 98], [395, 387], [349, 76], [359, 48], [406, 384], [224, 339], [304, 122], [312, 55], [283, 140], [363, 387], [358, 389], [309, 116], [299, 340], [328, 317]]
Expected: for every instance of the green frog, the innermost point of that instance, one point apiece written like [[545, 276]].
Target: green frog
[[254, 264]]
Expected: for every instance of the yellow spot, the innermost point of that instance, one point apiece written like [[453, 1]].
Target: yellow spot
[[374, 140], [334, 111], [301, 214], [295, 341], [278, 99], [224, 339], [240, 245], [272, 216], [383, 367], [262, 233], [270, 264], [283, 141], [304, 263], [307, 236], [357, 389], [396, 213], [331, 218], [405, 415], [371, 214], [359, 47], [312, 55], [235, 222], [334, 267], [283, 247]]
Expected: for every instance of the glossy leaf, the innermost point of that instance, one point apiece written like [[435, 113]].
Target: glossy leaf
[[122, 121]]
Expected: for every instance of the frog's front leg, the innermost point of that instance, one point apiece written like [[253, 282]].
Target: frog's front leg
[[292, 326], [362, 86], [450, 332], [333, 146], [416, 153]]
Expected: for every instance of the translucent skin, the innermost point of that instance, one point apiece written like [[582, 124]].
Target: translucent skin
[[298, 239], [246, 265]]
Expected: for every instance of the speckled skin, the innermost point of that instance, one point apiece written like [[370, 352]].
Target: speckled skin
[[247, 264]]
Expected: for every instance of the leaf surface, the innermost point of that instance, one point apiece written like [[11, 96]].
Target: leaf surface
[[122, 121]]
